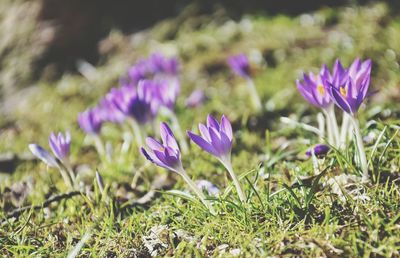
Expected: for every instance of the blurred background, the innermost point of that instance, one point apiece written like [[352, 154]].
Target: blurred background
[[58, 55], [42, 39]]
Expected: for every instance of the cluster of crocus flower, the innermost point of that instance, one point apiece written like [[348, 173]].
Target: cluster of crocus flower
[[60, 146], [215, 138], [346, 88], [240, 65], [151, 85]]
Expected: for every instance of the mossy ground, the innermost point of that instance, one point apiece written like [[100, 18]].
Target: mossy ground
[[319, 221]]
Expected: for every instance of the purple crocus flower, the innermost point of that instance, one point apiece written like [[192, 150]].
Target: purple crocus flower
[[60, 144], [313, 88], [216, 138], [90, 121], [158, 63], [349, 89], [138, 102], [240, 65], [165, 154], [208, 186], [43, 155], [139, 71], [166, 92], [195, 99], [319, 150], [109, 110]]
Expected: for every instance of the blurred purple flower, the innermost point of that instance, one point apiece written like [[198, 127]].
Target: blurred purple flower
[[166, 92], [313, 88], [90, 121], [60, 144], [319, 150], [240, 65], [43, 155], [138, 102], [109, 111], [349, 87], [165, 154], [139, 71], [208, 186], [158, 63], [196, 98], [216, 138]]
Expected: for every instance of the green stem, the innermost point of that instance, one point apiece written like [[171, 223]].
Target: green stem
[[64, 174], [344, 129], [329, 128], [255, 99], [334, 124], [68, 168], [228, 166], [361, 151], [136, 129], [99, 145], [196, 190]]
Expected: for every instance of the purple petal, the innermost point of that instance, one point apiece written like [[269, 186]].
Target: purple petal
[[212, 122], [202, 143], [226, 127], [204, 132], [152, 157], [168, 136], [339, 100], [219, 145], [43, 155], [153, 144]]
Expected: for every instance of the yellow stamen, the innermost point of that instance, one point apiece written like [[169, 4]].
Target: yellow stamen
[[321, 90], [343, 91]]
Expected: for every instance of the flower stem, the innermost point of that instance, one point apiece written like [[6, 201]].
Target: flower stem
[[307, 127], [70, 171], [329, 128], [335, 128], [67, 179], [239, 190], [321, 126], [99, 145], [255, 99], [361, 151], [136, 132], [197, 191], [344, 129]]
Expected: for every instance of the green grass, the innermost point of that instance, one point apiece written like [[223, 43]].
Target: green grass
[[289, 211]]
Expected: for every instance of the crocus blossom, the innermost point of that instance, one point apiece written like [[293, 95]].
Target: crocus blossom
[[43, 155], [60, 144], [109, 110], [313, 88], [158, 63], [319, 150], [215, 137], [208, 186], [90, 121], [195, 99], [240, 65], [349, 89], [166, 92], [165, 154], [138, 102]]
